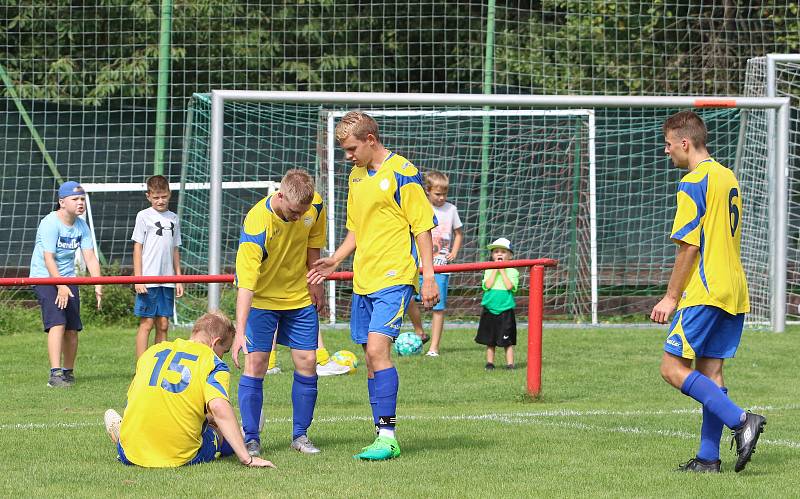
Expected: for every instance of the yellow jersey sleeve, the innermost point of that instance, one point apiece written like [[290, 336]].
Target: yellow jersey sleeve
[[691, 211], [413, 202], [316, 237], [252, 246]]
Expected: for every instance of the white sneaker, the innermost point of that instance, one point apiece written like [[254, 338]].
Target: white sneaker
[[113, 421], [431, 353], [304, 446], [274, 370], [332, 369]]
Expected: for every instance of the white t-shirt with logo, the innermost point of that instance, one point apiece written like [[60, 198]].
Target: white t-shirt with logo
[[159, 234], [449, 221]]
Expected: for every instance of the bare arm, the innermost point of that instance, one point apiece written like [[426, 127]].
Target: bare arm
[[323, 267], [244, 300], [684, 262], [458, 238], [137, 267], [506, 281], [64, 293], [176, 265], [429, 291], [315, 290], [93, 265], [225, 420], [491, 276]]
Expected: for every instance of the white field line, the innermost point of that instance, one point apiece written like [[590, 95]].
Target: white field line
[[536, 418]]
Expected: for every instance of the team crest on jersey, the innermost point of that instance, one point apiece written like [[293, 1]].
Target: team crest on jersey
[[307, 221], [384, 185]]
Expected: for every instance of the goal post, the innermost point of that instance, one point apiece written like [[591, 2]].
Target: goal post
[[629, 246]]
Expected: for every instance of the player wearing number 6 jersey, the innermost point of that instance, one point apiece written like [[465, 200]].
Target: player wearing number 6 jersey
[[178, 409], [709, 289]]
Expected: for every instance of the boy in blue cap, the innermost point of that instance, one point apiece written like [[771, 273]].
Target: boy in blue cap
[[58, 237]]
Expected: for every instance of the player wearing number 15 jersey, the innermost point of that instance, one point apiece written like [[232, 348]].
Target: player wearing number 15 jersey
[[709, 289], [178, 410]]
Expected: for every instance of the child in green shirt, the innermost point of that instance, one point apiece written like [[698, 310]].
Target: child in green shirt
[[498, 324]]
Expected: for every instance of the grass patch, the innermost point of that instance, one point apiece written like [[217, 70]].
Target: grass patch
[[605, 425]]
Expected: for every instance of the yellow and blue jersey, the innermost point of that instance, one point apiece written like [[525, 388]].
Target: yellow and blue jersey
[[271, 259], [386, 209], [709, 216], [167, 402]]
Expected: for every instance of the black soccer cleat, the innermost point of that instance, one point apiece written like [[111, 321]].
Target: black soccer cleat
[[696, 465], [746, 437]]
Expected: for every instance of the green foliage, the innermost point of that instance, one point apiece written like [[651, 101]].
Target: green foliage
[[116, 305], [18, 319]]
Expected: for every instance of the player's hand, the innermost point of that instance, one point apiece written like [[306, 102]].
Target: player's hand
[[317, 292], [178, 289], [63, 296], [429, 292], [141, 289], [321, 269], [98, 295], [663, 309], [258, 462], [239, 343]]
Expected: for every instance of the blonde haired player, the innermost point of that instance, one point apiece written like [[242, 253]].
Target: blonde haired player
[[447, 238], [281, 235], [389, 224], [178, 412], [709, 289]]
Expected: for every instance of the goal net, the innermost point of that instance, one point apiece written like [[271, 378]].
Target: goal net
[[589, 187]]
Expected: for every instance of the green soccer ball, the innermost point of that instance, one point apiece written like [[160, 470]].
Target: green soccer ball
[[408, 344]]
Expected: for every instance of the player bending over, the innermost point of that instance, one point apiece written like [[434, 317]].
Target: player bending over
[[178, 410]]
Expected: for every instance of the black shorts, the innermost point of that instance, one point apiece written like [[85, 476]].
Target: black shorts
[[497, 330], [70, 317]]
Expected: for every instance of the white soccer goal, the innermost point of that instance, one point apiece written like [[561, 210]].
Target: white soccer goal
[[526, 173]]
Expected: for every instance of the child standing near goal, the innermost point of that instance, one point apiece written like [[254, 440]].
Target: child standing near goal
[[447, 239], [498, 324], [156, 239]]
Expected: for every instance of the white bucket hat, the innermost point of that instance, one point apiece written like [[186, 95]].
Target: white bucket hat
[[500, 243]]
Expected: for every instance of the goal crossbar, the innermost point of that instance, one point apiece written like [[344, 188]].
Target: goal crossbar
[[778, 148]]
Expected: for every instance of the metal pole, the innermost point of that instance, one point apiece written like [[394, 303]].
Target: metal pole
[[535, 313], [593, 216], [488, 68], [781, 173], [162, 97], [215, 196]]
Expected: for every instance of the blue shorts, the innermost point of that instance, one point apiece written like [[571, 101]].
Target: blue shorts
[[704, 331], [211, 448], [379, 312], [297, 328], [441, 281], [157, 302], [69, 317]]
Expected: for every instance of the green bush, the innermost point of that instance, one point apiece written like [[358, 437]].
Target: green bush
[[19, 319], [117, 303]]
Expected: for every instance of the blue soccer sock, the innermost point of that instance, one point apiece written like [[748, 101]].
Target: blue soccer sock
[[387, 383], [705, 391], [225, 449], [304, 398], [373, 402], [251, 399], [710, 434]]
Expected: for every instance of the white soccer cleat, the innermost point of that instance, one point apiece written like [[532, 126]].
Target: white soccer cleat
[[332, 369], [113, 422]]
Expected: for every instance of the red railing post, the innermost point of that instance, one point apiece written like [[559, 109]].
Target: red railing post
[[535, 313]]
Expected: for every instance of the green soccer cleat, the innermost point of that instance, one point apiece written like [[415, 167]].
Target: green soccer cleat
[[382, 449]]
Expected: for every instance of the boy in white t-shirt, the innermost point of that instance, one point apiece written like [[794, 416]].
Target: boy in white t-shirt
[[156, 239], [447, 239]]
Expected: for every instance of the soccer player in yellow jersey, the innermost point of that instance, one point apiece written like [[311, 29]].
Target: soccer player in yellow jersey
[[178, 410], [709, 289], [389, 222], [280, 235]]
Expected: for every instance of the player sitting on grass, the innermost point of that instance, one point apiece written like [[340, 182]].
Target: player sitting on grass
[[709, 289], [178, 410], [389, 222]]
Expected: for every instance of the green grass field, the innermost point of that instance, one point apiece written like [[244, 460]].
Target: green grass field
[[606, 425]]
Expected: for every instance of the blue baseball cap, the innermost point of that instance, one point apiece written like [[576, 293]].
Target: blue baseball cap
[[70, 188]]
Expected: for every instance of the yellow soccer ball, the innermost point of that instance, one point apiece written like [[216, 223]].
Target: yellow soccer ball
[[346, 358]]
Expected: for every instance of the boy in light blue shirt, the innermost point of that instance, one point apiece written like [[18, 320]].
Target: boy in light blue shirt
[[58, 238]]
